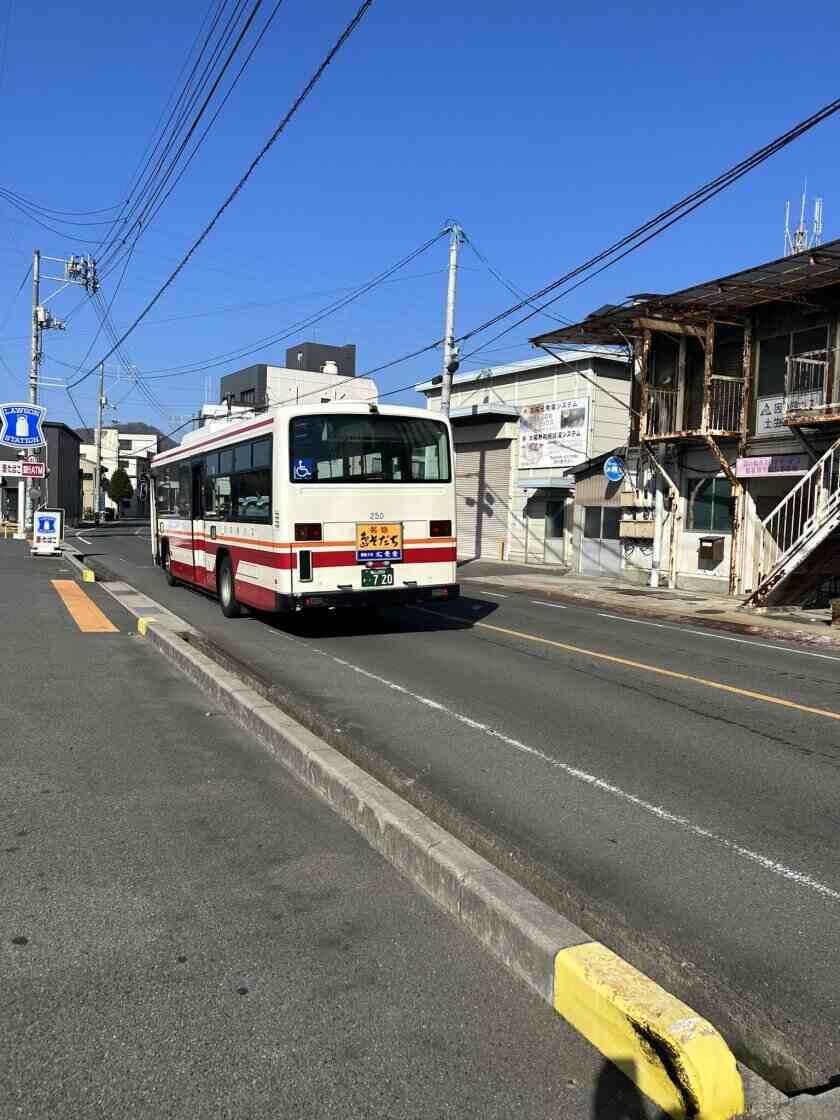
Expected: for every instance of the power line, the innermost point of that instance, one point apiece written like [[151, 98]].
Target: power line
[[58, 213], [173, 124], [666, 218], [511, 287], [633, 240], [301, 324], [158, 202], [301, 98], [146, 215]]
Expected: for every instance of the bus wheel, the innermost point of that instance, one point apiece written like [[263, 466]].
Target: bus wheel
[[227, 598], [167, 567]]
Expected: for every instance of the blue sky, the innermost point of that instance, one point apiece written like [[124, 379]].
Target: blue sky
[[546, 130]]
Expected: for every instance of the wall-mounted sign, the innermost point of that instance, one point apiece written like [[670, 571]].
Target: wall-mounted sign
[[20, 425], [554, 434], [758, 466], [614, 469], [17, 468], [770, 411]]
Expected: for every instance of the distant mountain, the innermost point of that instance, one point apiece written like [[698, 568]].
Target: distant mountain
[[131, 428]]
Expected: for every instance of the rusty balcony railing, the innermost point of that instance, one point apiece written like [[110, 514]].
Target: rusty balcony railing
[[807, 382], [725, 403], [661, 419]]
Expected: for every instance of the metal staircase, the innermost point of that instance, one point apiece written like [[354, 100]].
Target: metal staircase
[[802, 521]]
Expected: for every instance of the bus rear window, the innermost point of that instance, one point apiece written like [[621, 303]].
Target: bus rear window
[[368, 448]]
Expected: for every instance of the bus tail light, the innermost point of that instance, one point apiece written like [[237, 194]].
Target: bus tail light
[[440, 528], [307, 531]]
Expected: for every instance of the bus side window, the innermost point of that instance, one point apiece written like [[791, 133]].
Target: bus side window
[[211, 471], [184, 495]]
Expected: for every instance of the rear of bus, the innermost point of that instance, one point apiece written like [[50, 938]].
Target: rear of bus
[[370, 505]]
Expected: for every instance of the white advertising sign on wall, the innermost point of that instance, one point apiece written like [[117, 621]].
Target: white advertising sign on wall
[[553, 434], [770, 411]]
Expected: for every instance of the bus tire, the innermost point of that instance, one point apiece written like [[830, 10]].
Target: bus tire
[[167, 566], [227, 595]]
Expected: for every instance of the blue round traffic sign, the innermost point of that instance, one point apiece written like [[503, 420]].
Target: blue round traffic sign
[[614, 469]]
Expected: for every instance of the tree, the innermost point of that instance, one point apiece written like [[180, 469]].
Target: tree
[[119, 487]]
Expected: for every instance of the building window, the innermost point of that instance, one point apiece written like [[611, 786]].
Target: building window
[[123, 464], [125, 445], [773, 352], [248, 396], [710, 505]]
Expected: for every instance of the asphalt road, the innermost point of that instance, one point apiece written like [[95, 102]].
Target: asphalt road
[[186, 932], [691, 826]]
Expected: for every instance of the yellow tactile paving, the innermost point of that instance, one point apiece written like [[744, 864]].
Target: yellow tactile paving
[[87, 616]]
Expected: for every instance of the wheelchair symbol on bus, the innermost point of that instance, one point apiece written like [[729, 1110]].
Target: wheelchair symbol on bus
[[303, 469]]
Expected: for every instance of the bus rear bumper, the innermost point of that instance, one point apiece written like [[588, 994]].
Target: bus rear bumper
[[392, 597]]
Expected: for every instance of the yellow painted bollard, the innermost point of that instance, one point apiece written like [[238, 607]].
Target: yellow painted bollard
[[88, 575]]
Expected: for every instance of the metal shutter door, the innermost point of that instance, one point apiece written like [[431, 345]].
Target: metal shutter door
[[482, 483]]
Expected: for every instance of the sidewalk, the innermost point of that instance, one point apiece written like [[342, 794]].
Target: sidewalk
[[687, 607], [188, 933]]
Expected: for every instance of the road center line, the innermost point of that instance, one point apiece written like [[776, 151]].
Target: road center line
[[672, 674], [719, 637], [782, 870]]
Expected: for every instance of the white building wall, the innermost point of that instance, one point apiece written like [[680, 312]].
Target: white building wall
[[608, 427]]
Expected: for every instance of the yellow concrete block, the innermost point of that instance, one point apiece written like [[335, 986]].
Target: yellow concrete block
[[88, 575], [673, 1055]]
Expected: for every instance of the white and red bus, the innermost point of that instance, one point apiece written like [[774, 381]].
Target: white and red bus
[[344, 504]]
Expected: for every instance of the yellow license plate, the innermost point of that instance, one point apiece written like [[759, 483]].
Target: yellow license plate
[[379, 540]]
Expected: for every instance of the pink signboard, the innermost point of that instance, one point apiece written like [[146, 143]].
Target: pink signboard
[[753, 466]]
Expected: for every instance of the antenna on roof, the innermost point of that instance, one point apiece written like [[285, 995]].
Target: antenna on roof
[[801, 239]]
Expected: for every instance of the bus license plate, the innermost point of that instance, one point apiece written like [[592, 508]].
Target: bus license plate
[[377, 577]]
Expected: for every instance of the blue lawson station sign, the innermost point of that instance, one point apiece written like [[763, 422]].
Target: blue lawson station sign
[[21, 425]]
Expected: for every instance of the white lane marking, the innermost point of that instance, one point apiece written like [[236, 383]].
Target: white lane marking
[[774, 866], [540, 603], [84, 540], [720, 637], [495, 594]]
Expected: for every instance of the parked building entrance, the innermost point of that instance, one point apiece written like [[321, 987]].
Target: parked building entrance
[[555, 524], [482, 482], [600, 547]]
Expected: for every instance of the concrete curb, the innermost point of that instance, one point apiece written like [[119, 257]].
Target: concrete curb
[[678, 1058]]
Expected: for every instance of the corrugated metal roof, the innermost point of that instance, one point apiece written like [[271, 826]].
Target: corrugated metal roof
[[489, 373], [786, 279]]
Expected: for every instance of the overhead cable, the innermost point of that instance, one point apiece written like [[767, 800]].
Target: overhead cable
[[292, 112]]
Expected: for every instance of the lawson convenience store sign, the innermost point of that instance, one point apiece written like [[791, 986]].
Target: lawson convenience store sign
[[21, 425]]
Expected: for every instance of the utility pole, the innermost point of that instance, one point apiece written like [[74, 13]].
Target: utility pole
[[450, 350], [25, 503], [97, 471], [36, 327]]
